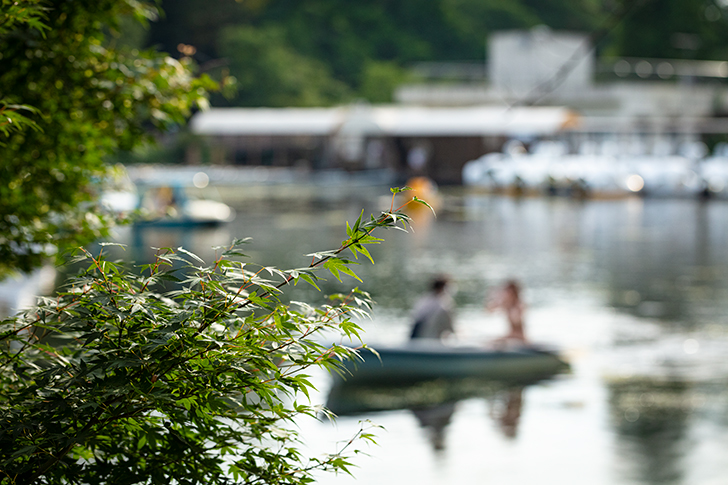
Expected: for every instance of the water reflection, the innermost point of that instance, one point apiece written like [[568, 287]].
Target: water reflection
[[141, 240], [654, 258], [433, 403], [651, 419], [506, 410], [637, 288], [434, 420]]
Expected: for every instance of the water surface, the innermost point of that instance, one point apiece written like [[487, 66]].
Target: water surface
[[634, 291]]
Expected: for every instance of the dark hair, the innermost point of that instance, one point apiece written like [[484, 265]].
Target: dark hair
[[512, 285], [439, 283]]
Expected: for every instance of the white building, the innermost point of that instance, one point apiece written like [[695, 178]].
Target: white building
[[660, 97], [523, 63]]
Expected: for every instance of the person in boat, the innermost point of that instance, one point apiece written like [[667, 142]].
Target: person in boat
[[433, 313], [508, 299]]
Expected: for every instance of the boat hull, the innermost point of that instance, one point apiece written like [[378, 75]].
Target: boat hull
[[177, 223], [419, 362]]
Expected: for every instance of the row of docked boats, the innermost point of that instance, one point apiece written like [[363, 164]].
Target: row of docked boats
[[602, 170]]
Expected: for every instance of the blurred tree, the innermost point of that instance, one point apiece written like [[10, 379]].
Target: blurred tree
[[269, 73], [347, 35], [347, 39], [198, 23], [353, 37], [474, 19], [681, 29], [29, 14], [380, 79], [579, 15], [88, 99]]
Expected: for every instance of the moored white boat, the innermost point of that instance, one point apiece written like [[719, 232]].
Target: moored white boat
[[597, 170], [669, 176], [714, 173], [182, 203]]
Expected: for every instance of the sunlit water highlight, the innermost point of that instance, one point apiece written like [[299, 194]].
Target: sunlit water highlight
[[634, 291]]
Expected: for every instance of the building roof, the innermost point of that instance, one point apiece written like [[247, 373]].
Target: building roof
[[267, 121], [383, 120], [471, 121]]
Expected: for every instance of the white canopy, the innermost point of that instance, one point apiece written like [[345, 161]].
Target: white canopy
[[267, 121], [384, 120], [471, 121]]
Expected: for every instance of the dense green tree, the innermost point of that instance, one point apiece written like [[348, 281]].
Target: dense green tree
[[270, 73], [581, 15], [679, 29], [350, 39], [354, 42], [14, 15], [348, 34], [88, 100], [475, 18], [198, 23], [380, 79]]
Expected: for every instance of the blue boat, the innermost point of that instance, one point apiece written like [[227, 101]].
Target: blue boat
[[181, 205], [164, 198]]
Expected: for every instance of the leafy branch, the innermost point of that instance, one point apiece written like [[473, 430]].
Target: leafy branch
[[12, 121], [119, 382]]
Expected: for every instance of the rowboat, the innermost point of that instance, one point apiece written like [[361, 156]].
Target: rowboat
[[428, 360], [179, 204], [426, 374]]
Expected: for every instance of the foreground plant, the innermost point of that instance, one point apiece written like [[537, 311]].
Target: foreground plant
[[71, 95], [113, 381]]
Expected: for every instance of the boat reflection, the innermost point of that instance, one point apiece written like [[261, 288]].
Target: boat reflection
[[434, 420], [434, 403], [506, 410]]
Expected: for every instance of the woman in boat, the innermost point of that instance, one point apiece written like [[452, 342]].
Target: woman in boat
[[508, 299], [433, 313]]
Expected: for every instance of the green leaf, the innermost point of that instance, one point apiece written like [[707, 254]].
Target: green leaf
[[308, 279], [191, 255], [423, 202], [337, 266], [104, 244], [358, 248]]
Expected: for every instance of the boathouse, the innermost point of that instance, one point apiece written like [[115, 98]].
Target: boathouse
[[408, 140]]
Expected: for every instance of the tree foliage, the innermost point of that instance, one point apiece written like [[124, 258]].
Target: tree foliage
[[345, 39], [673, 29], [116, 381], [270, 73], [74, 100], [351, 43], [14, 15]]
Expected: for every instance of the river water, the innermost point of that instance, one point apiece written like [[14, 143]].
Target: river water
[[635, 292]]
